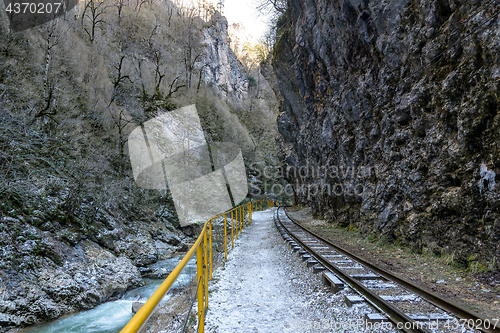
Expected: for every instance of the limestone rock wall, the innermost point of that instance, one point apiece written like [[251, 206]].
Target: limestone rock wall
[[390, 119], [223, 68]]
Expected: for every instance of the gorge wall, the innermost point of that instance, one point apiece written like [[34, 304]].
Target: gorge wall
[[223, 68], [75, 230], [390, 120]]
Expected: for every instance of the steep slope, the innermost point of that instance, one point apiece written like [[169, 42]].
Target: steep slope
[[390, 120], [75, 229]]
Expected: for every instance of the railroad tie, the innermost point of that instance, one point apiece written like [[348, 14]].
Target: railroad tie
[[375, 318], [330, 279], [332, 255], [341, 262], [381, 286], [311, 263], [431, 317], [351, 300], [317, 269], [366, 276], [400, 298], [320, 248], [350, 267]]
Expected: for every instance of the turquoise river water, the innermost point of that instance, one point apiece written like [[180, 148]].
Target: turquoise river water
[[111, 317]]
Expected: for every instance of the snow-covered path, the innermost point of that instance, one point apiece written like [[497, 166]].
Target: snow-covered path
[[264, 287], [253, 292]]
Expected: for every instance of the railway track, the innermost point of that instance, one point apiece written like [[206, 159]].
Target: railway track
[[409, 307]]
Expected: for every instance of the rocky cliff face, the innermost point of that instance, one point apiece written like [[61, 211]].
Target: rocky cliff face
[[390, 120], [222, 67]]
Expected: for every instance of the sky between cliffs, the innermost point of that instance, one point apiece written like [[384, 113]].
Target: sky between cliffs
[[244, 11]]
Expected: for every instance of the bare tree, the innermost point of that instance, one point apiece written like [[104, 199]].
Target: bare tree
[[191, 58], [7, 41], [220, 6], [119, 4], [94, 10], [270, 6], [140, 3], [201, 74], [118, 79], [137, 61], [159, 73], [192, 47], [174, 87], [51, 40], [170, 12], [121, 121]]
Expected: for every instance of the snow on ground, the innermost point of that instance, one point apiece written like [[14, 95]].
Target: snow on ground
[[265, 287]]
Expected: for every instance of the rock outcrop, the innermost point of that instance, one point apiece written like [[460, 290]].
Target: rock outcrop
[[44, 276], [223, 69], [390, 120]]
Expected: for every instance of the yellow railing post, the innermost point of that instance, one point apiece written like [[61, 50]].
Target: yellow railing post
[[236, 220], [243, 215], [232, 230], [240, 217], [199, 275], [210, 244], [225, 236], [261, 203], [250, 212], [205, 245]]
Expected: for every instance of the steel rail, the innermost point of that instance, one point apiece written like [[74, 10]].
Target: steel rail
[[394, 314], [440, 302]]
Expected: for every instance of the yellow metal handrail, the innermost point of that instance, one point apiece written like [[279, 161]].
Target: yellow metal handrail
[[204, 261]]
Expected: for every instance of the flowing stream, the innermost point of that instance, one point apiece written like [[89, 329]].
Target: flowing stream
[[111, 317]]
